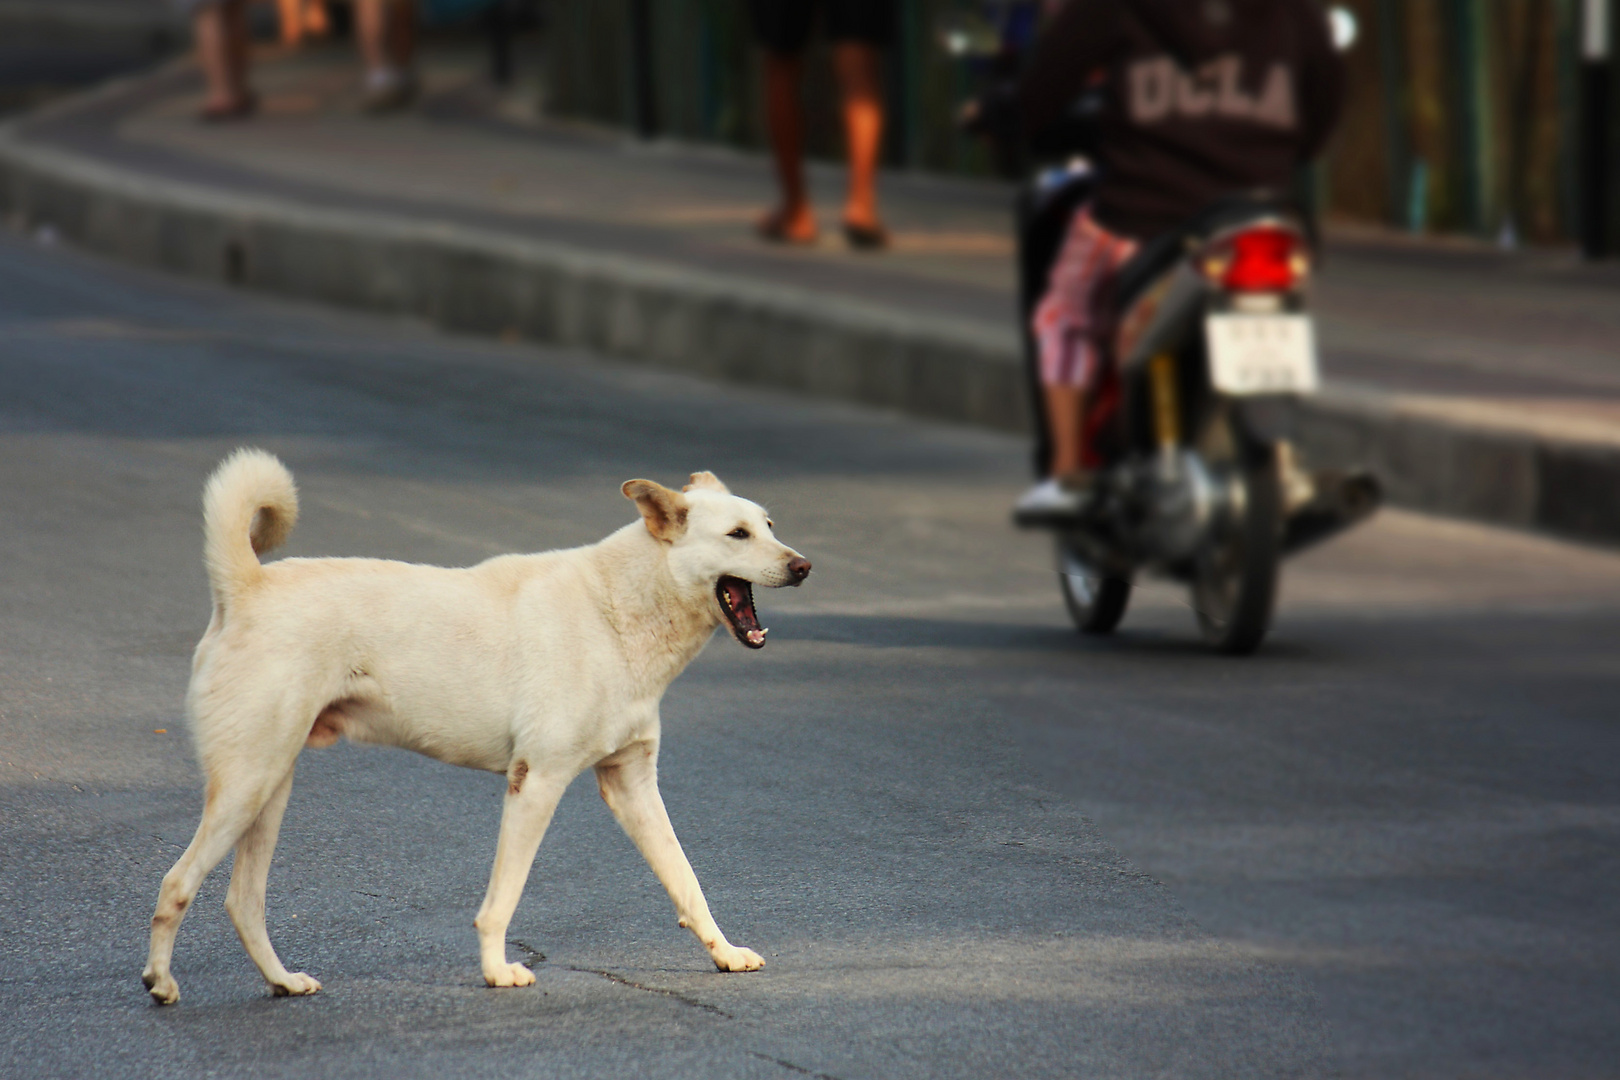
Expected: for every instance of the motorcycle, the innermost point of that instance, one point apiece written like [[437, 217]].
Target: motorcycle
[[1213, 345]]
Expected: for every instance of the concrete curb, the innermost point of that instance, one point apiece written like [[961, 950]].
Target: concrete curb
[[739, 330], [477, 281], [1484, 472]]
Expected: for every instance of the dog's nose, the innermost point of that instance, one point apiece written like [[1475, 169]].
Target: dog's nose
[[799, 567]]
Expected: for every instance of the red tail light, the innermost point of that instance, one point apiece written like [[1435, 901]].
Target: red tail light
[[1267, 258]]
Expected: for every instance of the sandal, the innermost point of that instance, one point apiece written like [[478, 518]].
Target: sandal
[[866, 237], [240, 109], [773, 227]]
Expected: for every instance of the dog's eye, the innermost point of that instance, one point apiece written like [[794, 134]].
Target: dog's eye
[[769, 524], [739, 533]]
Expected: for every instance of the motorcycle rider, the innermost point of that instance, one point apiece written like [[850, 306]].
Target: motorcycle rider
[[1203, 99]]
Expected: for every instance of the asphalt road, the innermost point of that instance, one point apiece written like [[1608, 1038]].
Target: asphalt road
[[967, 842]]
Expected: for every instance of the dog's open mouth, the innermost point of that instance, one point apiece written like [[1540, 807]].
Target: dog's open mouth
[[736, 598]]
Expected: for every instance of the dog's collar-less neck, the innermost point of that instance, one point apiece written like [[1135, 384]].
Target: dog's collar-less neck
[[643, 616]]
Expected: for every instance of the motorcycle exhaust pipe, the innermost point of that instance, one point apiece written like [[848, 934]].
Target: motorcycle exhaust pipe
[[1339, 501]]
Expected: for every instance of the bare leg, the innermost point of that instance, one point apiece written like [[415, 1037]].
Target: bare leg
[[530, 802], [793, 217], [238, 41], [230, 808], [859, 79], [629, 785], [387, 43], [1065, 418], [222, 50], [387, 32], [316, 19], [290, 14], [245, 900], [371, 27], [402, 35]]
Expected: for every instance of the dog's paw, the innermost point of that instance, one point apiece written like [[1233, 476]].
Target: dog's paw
[[509, 975], [733, 958], [296, 984], [163, 988]]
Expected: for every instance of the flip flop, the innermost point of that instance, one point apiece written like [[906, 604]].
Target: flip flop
[[866, 237], [243, 108], [772, 227]]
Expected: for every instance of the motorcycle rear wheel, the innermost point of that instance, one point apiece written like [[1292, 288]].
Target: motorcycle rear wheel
[[1096, 600], [1235, 571]]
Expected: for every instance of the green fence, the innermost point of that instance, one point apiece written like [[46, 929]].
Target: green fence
[[1462, 115], [706, 79]]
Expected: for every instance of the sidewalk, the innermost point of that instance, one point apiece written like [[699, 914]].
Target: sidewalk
[[50, 46], [1475, 383]]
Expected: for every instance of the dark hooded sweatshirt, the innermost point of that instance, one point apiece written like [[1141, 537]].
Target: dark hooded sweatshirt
[[1204, 98]]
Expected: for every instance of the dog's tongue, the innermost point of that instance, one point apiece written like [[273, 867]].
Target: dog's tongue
[[741, 601]]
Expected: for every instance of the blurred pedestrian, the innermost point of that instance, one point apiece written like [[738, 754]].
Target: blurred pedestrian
[[387, 33], [301, 18], [858, 30], [221, 31]]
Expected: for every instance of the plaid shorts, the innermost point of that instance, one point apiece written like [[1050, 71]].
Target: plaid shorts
[[1064, 322]]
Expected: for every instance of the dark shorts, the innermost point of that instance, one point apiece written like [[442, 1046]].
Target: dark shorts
[[783, 26]]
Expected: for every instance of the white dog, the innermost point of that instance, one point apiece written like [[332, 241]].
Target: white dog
[[536, 666]]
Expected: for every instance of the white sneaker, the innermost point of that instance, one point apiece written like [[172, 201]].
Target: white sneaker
[[387, 89], [1048, 502]]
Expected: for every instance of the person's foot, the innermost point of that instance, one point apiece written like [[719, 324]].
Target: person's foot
[[789, 226], [237, 108], [872, 237], [388, 90], [1053, 501], [862, 227]]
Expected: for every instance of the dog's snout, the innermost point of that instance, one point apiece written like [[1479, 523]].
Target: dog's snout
[[799, 568]]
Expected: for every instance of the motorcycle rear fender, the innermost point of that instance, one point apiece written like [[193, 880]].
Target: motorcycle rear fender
[[1162, 318]]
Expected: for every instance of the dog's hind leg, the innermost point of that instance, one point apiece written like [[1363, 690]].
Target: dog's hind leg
[[245, 898], [531, 799], [229, 808], [629, 784]]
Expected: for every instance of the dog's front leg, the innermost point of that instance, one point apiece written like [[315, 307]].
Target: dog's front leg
[[629, 784], [531, 799]]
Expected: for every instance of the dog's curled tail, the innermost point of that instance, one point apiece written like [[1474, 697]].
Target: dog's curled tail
[[250, 506]]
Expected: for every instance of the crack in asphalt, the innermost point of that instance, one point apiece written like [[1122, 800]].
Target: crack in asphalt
[[788, 1065], [677, 995], [532, 955]]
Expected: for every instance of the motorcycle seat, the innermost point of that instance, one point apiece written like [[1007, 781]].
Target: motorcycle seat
[[1160, 254]]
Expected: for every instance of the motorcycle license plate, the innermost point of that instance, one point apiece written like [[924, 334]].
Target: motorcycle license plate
[[1261, 354]]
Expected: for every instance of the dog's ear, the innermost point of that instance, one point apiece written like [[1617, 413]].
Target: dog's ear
[[663, 510], [706, 481]]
